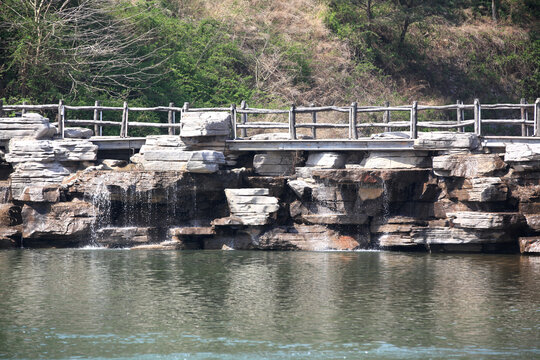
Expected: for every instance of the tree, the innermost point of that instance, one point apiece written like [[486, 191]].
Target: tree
[[74, 46]]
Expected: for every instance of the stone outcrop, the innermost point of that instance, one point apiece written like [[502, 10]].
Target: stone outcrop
[[350, 196], [529, 245], [252, 206], [310, 238], [483, 189], [78, 133], [275, 163], [439, 235], [172, 159], [196, 124], [189, 192], [120, 237], [523, 157], [28, 125], [396, 160], [442, 140], [326, 160], [485, 220], [468, 165], [63, 222], [40, 165]]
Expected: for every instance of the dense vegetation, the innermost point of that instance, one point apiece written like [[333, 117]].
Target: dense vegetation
[[212, 52]]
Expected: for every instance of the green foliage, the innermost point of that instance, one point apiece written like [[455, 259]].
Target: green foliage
[[151, 57], [404, 39]]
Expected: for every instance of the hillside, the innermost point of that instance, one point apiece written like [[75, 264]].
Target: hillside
[[212, 52]]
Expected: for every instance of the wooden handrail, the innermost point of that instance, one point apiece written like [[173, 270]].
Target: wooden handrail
[[387, 124]]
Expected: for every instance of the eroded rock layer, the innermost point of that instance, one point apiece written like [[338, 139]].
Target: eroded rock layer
[[189, 192]]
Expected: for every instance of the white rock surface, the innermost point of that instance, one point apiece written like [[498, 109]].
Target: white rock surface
[[484, 220], [274, 163], [252, 209], [523, 157], [447, 235], [396, 160], [441, 140], [326, 160], [26, 149], [205, 124], [165, 141], [38, 164], [522, 152], [155, 158], [486, 189], [467, 165], [78, 133], [28, 125]]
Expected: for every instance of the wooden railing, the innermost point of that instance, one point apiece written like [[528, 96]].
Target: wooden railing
[[353, 125]]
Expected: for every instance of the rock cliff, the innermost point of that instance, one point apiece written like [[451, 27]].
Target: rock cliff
[[191, 192]]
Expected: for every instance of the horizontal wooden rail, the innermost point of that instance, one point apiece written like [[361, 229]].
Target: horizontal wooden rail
[[529, 123]]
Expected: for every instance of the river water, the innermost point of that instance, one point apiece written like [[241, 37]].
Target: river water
[[124, 304]]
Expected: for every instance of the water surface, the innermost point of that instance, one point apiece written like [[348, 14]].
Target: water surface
[[125, 304]]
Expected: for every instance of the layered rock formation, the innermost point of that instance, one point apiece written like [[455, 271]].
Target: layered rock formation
[[186, 192]]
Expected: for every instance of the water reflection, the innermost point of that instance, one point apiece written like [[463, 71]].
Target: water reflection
[[121, 303]]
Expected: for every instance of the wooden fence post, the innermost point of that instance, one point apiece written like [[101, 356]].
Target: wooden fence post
[[414, 120], [97, 128], [477, 117], [459, 116], [243, 106], [233, 120], [537, 117], [170, 119], [61, 118], [524, 116], [185, 109], [124, 126], [1, 107], [386, 116], [353, 131], [314, 121], [23, 110], [292, 122]]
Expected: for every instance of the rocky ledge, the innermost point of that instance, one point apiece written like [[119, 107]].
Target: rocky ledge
[[190, 192]]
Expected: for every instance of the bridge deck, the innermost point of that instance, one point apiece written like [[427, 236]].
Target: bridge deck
[[362, 144]]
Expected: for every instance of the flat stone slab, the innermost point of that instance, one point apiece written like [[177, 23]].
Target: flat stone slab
[[125, 236], [276, 163], [467, 165], [326, 160], [441, 140], [78, 133], [529, 245], [485, 220], [396, 160], [482, 189], [251, 209], [192, 231], [522, 152], [28, 125], [447, 235], [196, 123]]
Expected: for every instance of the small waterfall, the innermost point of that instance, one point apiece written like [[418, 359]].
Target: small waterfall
[[101, 201], [385, 207], [386, 202], [150, 206]]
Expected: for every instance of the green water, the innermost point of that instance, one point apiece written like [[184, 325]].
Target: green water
[[124, 304]]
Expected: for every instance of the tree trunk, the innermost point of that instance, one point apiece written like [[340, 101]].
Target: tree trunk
[[404, 29], [494, 10]]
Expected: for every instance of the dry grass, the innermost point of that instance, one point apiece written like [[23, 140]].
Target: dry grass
[[258, 25]]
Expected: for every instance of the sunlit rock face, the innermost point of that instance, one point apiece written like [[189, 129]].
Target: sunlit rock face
[[29, 125], [191, 192]]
